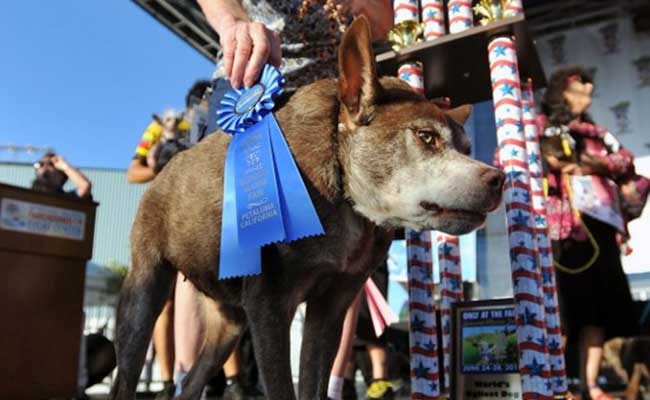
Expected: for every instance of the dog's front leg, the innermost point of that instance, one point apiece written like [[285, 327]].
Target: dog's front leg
[[322, 334], [269, 317]]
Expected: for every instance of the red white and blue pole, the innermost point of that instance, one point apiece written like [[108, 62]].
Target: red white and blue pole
[[529, 305], [544, 253]]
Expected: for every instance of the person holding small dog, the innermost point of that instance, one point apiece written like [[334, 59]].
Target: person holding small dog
[[594, 296]]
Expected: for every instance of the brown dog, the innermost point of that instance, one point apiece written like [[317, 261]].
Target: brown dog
[[374, 156]]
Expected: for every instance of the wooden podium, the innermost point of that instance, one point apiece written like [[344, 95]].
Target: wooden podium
[[45, 241]]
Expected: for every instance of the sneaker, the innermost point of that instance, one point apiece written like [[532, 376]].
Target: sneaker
[[167, 393], [380, 389], [234, 391]]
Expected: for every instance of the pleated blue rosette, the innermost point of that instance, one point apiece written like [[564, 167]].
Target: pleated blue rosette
[[264, 198]]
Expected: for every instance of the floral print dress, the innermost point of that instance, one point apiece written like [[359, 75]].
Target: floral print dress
[[309, 42], [592, 287], [592, 140]]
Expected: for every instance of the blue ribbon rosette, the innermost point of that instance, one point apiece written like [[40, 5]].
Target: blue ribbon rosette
[[264, 198]]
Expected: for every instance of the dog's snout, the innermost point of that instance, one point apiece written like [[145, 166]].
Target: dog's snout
[[493, 179]]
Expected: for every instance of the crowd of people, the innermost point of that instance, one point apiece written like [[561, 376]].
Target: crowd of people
[[595, 300]]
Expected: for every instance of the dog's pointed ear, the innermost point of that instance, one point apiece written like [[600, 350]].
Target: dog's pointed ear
[[358, 84], [460, 114]]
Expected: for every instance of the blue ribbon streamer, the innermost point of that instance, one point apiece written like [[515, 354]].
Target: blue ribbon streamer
[[265, 199], [300, 217], [259, 215], [230, 254]]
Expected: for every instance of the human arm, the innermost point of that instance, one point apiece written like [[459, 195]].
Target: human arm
[[619, 164], [246, 45], [589, 165], [139, 172], [80, 181], [555, 164], [618, 161], [614, 166], [379, 14], [141, 169]]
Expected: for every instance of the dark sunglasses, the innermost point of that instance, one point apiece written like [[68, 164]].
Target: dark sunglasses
[[41, 164]]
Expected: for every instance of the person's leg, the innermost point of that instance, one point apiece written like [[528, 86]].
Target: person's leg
[[592, 339], [380, 388], [189, 327], [232, 371], [231, 368], [163, 343], [345, 350], [377, 355]]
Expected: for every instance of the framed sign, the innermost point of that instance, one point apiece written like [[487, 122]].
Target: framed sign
[[39, 219], [484, 350]]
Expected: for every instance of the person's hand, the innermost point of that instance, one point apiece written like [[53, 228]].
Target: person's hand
[[556, 164], [591, 165], [571, 169], [60, 163], [378, 12], [247, 46]]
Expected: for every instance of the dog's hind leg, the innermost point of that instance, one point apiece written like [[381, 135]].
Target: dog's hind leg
[[145, 290], [322, 334], [224, 326]]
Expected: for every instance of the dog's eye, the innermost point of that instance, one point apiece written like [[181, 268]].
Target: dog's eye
[[427, 137]]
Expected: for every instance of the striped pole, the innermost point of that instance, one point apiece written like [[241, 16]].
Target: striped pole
[[451, 291], [412, 73], [433, 18], [422, 317], [545, 257], [514, 7], [405, 10], [531, 320], [422, 308], [460, 15]]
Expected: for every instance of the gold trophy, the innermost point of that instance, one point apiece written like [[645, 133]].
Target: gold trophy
[[493, 10], [405, 34]]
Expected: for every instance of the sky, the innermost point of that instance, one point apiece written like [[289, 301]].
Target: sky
[[84, 77]]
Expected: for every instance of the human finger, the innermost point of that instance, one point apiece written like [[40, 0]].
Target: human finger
[[242, 56], [260, 53], [228, 45]]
